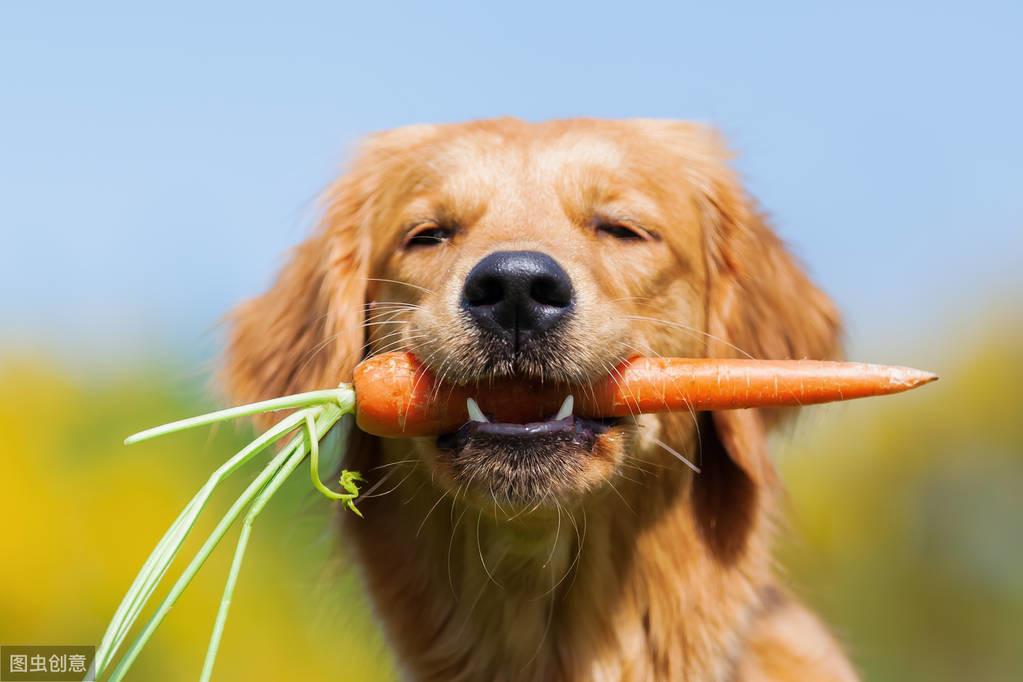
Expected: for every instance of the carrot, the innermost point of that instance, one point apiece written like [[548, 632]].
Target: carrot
[[397, 397]]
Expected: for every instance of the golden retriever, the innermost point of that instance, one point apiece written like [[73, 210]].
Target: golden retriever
[[572, 549]]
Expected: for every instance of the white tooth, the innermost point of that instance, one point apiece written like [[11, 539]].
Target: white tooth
[[566, 408], [475, 413]]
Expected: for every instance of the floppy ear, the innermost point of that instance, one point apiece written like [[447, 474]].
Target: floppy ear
[[760, 303], [306, 331]]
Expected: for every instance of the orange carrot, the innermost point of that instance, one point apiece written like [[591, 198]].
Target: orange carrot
[[397, 397]]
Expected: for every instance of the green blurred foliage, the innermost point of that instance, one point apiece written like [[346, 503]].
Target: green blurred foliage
[[904, 528], [904, 519], [81, 512]]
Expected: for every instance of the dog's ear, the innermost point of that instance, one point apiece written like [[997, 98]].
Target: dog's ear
[[760, 304], [306, 331]]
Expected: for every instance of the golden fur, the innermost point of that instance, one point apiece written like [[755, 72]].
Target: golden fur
[[632, 567]]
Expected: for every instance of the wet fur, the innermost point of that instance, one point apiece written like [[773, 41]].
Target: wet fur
[[628, 566]]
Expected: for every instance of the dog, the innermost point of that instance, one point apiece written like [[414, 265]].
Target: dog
[[630, 549]]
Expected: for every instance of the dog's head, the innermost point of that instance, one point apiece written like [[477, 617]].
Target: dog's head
[[544, 253]]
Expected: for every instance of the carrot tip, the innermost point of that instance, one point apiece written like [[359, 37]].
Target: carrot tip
[[911, 378]]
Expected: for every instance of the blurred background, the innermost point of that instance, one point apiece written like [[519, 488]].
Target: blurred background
[[156, 164]]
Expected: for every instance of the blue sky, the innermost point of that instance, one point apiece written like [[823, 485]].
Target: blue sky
[[155, 164]]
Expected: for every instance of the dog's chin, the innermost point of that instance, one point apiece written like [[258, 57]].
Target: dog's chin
[[531, 466]]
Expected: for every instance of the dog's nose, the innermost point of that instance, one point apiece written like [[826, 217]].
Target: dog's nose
[[517, 294]]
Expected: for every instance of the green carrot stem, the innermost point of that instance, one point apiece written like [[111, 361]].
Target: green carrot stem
[[341, 396], [316, 429], [204, 552], [328, 406], [166, 550]]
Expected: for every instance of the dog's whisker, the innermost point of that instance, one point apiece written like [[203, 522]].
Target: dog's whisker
[[647, 349], [390, 308], [620, 474], [385, 315], [382, 322], [522, 510], [400, 282], [388, 314], [575, 558], [391, 305], [621, 497], [396, 486], [676, 454], [402, 344], [373, 488], [415, 493], [451, 541], [497, 503], [690, 330], [397, 332], [383, 304], [440, 498], [409, 348], [315, 351], [579, 550], [414, 460], [633, 462], [557, 536], [319, 347], [479, 548]]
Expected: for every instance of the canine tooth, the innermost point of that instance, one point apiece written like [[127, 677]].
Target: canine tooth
[[475, 413], [566, 408]]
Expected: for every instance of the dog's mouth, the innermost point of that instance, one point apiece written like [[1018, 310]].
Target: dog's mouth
[[562, 426], [527, 462]]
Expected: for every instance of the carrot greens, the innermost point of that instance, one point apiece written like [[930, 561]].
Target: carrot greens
[[315, 414]]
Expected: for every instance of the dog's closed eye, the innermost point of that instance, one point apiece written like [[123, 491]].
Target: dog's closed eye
[[623, 230], [427, 234]]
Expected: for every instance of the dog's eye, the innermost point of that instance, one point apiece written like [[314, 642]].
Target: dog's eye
[[428, 234], [622, 231]]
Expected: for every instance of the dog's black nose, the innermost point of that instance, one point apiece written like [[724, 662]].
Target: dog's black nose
[[517, 294]]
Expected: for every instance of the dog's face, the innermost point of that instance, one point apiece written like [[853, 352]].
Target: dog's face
[[540, 253], [542, 256]]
